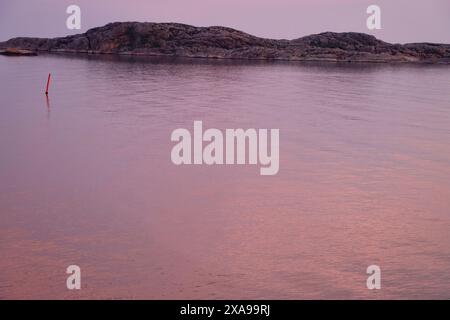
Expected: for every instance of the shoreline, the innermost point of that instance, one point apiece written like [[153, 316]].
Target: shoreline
[[309, 60]]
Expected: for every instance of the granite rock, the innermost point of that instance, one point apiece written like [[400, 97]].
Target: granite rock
[[174, 39]]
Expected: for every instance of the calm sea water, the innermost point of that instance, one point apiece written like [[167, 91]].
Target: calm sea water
[[86, 179]]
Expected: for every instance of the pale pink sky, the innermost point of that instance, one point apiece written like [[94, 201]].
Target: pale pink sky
[[402, 20]]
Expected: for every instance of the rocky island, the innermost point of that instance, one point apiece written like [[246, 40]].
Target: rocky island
[[180, 40]]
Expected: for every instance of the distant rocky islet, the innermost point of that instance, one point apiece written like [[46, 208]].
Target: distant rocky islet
[[180, 40]]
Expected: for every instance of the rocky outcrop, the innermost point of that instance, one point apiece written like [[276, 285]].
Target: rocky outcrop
[[173, 39], [17, 52]]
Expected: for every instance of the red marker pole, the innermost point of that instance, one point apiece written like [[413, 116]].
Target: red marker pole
[[48, 83]]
